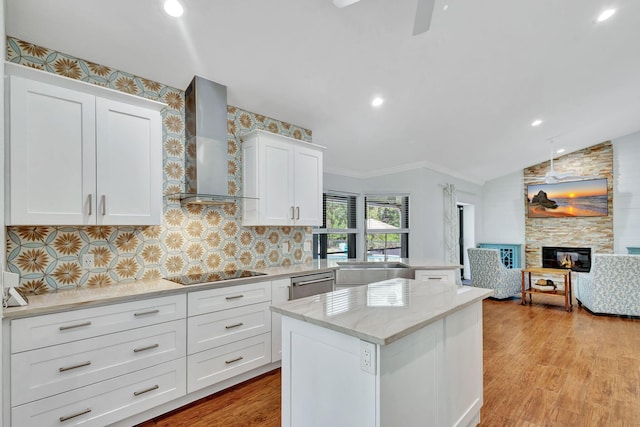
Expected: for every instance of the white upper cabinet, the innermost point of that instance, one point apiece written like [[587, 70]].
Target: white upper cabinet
[[80, 154], [282, 179]]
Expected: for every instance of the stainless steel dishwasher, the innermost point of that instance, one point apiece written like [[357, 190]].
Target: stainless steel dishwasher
[[311, 284]]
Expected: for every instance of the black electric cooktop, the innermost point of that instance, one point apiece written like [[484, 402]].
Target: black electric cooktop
[[214, 276]]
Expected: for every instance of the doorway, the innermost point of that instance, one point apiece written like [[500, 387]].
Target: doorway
[[461, 237], [466, 221]]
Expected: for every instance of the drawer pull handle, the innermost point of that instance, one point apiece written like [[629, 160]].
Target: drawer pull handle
[[434, 278], [237, 359], [78, 325], [234, 297], [138, 393], [234, 326], [144, 313], [80, 365], [149, 347], [68, 417]]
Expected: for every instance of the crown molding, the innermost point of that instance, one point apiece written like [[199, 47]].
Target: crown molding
[[402, 168]]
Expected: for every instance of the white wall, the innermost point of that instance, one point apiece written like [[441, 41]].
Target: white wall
[[504, 211], [426, 205], [626, 192]]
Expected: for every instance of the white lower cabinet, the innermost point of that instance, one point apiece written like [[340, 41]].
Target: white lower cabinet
[[60, 368], [103, 365], [229, 333], [218, 364], [96, 366], [223, 327], [108, 401], [279, 293], [58, 328], [431, 377], [436, 275]]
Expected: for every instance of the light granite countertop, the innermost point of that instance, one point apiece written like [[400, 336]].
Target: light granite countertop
[[88, 296], [383, 312]]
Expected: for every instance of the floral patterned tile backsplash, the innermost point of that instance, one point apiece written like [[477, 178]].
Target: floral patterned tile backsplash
[[191, 239]]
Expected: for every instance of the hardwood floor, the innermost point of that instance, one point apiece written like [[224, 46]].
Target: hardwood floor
[[542, 367], [253, 403]]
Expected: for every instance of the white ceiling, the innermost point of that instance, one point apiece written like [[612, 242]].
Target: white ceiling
[[459, 98]]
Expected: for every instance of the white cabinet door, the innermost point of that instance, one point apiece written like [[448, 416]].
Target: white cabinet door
[[279, 293], [52, 155], [283, 181], [80, 154], [276, 184], [129, 164], [308, 186]]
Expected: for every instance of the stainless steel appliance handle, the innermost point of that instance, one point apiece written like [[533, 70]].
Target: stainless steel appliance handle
[[310, 282]]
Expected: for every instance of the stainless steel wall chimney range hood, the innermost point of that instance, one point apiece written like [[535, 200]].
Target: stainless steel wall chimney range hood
[[206, 158]]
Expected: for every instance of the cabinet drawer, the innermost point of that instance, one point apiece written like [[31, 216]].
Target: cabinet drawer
[[217, 299], [47, 371], [212, 366], [108, 401], [435, 275], [58, 328], [222, 327]]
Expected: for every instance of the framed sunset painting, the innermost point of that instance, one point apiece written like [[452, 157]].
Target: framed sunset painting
[[568, 199]]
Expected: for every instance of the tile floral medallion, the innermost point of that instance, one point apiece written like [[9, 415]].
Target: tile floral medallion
[[191, 239]]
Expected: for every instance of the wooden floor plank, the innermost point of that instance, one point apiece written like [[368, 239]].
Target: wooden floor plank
[[542, 367]]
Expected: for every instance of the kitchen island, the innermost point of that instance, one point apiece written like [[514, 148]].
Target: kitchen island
[[397, 352]]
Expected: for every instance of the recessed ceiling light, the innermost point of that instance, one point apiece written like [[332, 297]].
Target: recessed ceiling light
[[606, 15], [377, 101], [560, 151], [536, 122], [173, 8]]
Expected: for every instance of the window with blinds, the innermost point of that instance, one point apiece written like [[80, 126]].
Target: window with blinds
[[387, 226], [336, 239]]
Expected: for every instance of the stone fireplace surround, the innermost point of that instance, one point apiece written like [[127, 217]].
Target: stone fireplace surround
[[595, 233], [578, 259]]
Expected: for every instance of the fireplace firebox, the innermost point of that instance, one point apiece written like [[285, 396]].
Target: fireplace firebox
[[577, 259]]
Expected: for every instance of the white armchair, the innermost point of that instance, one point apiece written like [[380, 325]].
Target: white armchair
[[612, 286], [488, 271]]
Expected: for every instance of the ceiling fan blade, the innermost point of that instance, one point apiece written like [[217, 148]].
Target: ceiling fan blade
[[424, 12], [344, 3]]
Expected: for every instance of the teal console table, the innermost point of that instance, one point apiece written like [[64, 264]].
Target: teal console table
[[633, 250], [509, 253]]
